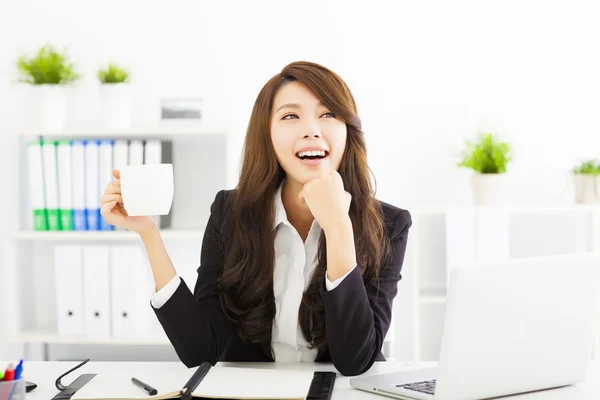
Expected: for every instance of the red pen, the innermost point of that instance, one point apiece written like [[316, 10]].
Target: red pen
[[9, 375]]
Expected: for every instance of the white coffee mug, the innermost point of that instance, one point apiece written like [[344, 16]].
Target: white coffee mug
[[147, 190]]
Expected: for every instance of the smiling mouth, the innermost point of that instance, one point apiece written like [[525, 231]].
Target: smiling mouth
[[320, 156]]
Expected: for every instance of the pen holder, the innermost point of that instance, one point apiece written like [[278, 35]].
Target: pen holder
[[12, 390]]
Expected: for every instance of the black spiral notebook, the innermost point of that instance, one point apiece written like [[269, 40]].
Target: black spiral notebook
[[209, 382]]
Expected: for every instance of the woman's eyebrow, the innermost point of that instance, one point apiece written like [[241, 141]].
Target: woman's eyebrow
[[290, 105], [293, 105]]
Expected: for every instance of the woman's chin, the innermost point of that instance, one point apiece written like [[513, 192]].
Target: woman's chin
[[303, 177]]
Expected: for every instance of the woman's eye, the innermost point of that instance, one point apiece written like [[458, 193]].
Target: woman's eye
[[331, 115]]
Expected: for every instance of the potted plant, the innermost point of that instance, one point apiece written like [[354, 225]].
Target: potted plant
[[48, 71], [586, 176], [489, 158], [115, 97]]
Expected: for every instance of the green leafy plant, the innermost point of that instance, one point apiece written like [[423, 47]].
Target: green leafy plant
[[488, 155], [588, 167], [47, 66], [113, 74]]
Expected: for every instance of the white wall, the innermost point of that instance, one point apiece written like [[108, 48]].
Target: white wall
[[425, 75]]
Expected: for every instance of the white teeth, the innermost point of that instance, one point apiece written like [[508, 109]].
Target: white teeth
[[311, 153]]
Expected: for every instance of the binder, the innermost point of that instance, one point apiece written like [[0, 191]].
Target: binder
[[159, 152], [92, 185], [131, 287], [136, 152], [68, 277], [105, 164], [96, 290], [65, 184], [51, 184], [35, 178], [78, 168], [207, 382], [120, 154], [120, 159]]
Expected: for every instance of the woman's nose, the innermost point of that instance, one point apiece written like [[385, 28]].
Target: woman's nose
[[312, 128], [316, 134]]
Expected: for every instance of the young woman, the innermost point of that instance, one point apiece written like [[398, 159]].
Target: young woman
[[300, 262]]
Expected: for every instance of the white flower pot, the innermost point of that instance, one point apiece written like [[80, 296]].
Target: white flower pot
[[587, 189], [115, 105], [48, 108], [489, 189]]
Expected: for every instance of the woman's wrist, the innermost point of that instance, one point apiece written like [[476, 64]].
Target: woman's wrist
[[149, 233], [342, 227]]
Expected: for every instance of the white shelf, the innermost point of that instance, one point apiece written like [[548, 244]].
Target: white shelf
[[101, 235], [54, 338], [162, 129], [432, 296], [432, 299]]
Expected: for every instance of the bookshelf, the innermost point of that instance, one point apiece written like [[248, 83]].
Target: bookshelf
[[164, 129], [167, 234], [204, 162]]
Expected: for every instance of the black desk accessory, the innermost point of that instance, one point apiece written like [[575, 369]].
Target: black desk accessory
[[321, 386], [66, 392]]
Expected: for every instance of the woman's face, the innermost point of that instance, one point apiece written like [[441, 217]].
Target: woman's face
[[307, 137]]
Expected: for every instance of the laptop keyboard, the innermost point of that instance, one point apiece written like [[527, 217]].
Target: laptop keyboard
[[423, 387]]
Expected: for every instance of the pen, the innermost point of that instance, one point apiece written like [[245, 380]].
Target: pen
[[194, 381], [151, 391], [9, 374], [19, 370]]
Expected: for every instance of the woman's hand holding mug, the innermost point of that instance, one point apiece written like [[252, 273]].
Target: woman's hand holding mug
[[113, 210]]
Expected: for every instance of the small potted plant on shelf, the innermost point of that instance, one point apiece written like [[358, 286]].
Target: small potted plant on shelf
[[115, 97], [586, 176], [47, 72], [488, 157]]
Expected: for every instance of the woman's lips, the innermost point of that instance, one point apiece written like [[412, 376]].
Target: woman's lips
[[313, 162]]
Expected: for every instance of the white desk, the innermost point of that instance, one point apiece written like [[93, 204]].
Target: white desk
[[45, 373]]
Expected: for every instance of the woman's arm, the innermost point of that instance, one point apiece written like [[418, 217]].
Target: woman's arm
[[194, 323], [357, 315], [160, 262], [341, 253]]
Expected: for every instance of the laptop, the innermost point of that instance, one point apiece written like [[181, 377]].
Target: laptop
[[510, 327]]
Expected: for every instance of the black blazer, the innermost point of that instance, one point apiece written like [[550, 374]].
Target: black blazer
[[357, 315]]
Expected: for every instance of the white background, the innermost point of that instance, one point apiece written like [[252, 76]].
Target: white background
[[426, 75]]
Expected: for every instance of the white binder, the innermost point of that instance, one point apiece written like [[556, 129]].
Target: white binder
[[153, 152], [78, 169], [65, 184], [51, 184], [68, 279], [105, 164], [120, 154], [136, 152], [92, 184], [35, 177], [131, 289], [96, 290]]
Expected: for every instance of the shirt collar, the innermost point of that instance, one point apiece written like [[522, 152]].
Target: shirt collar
[[280, 214]]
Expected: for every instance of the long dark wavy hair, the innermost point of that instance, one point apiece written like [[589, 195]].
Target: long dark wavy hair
[[247, 280]]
